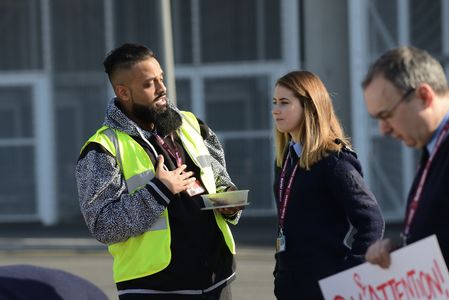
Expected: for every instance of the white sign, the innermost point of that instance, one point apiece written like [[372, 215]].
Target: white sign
[[417, 271]]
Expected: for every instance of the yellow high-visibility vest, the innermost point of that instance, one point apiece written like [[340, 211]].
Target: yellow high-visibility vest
[[150, 252]]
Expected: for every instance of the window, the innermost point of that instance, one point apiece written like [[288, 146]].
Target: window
[[425, 25], [235, 30], [138, 21], [77, 35], [21, 35], [238, 103], [183, 94], [17, 152], [182, 31]]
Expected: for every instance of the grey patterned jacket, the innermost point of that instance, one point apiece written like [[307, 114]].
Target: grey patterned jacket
[[112, 214]]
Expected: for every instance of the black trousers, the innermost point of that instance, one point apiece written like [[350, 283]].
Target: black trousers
[[218, 294]]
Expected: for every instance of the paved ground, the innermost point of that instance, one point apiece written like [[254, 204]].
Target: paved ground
[[254, 279], [70, 248]]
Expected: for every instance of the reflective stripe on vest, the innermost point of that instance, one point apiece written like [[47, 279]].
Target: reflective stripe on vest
[[175, 292], [150, 252], [137, 180]]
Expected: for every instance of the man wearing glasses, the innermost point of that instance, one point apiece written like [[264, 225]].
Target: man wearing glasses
[[406, 90]]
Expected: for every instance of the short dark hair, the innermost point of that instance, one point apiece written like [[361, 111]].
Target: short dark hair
[[406, 68], [124, 57]]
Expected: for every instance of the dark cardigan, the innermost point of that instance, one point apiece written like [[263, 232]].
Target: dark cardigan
[[326, 202], [432, 214]]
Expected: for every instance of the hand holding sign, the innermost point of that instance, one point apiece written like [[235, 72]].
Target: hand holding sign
[[417, 271], [379, 253]]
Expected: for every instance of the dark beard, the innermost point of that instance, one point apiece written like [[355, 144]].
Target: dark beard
[[166, 120]]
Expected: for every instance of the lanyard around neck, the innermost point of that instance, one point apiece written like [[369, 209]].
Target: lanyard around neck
[[174, 154], [284, 196], [418, 192]]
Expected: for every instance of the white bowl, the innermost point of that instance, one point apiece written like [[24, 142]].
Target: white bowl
[[226, 199]]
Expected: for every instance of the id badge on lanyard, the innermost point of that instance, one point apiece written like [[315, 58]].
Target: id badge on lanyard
[[280, 242], [196, 189]]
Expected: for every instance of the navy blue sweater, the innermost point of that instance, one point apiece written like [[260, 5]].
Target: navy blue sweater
[[326, 203], [431, 216]]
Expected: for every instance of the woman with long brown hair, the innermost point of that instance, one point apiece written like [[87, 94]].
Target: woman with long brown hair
[[327, 214]]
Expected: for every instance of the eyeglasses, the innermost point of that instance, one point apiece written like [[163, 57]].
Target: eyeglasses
[[387, 114]]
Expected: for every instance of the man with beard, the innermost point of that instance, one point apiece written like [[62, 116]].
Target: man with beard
[[140, 177]]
